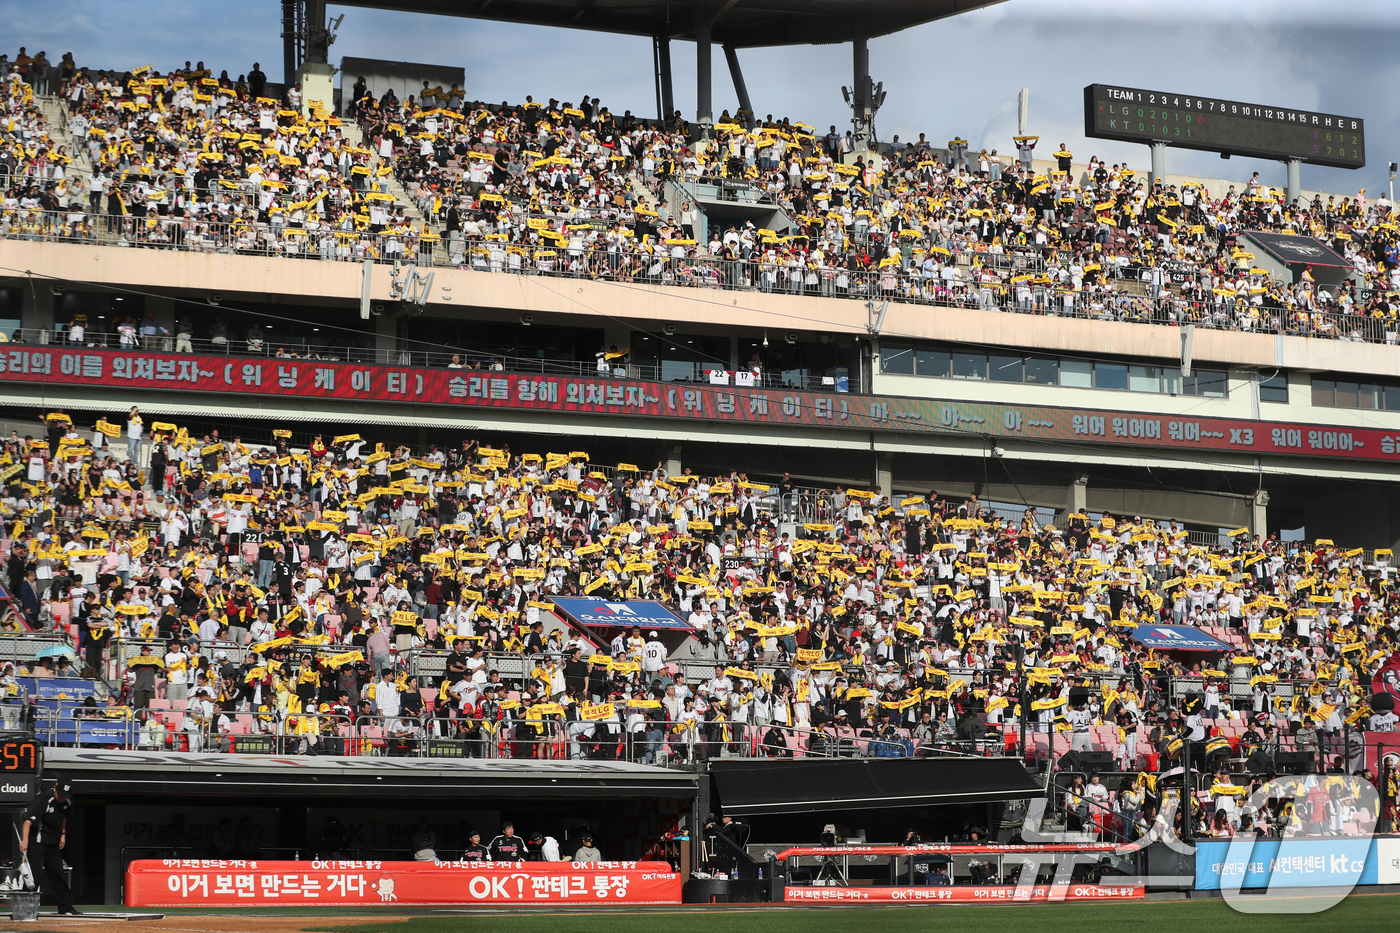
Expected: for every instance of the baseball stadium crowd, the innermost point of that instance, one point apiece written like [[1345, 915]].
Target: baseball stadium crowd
[[184, 159], [342, 596], [282, 590]]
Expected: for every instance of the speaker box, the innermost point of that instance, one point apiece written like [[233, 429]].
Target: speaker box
[[1258, 762], [1086, 761], [1294, 762]]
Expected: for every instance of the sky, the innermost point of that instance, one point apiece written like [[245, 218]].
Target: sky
[[955, 77]]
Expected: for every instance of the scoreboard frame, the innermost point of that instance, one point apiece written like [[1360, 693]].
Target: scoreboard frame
[[1213, 124]]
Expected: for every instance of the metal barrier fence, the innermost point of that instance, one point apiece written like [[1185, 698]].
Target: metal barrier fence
[[23, 646], [693, 270]]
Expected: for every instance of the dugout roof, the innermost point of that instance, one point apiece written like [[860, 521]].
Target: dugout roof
[[120, 773], [753, 787]]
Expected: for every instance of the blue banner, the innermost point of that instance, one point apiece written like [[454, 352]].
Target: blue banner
[[63, 688], [87, 731], [1334, 862], [602, 613], [1177, 638]]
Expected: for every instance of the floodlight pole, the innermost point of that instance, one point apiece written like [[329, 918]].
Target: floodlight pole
[[860, 91]]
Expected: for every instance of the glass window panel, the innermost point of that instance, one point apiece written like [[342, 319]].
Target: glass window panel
[[1214, 384], [1274, 390], [1392, 398], [1367, 397], [1346, 394], [1077, 373], [677, 371], [1110, 376], [1043, 372], [969, 366], [1171, 380], [1324, 392], [1144, 379], [931, 363], [1006, 368], [898, 360]]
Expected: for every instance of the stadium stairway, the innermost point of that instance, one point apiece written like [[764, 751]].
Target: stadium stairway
[[647, 199], [355, 137]]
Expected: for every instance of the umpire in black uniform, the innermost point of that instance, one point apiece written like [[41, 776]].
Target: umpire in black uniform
[[46, 823]]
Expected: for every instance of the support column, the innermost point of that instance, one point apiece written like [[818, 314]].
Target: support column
[[162, 307], [1078, 498], [37, 306], [731, 55], [884, 474], [704, 109], [317, 38], [316, 76], [1295, 178], [1259, 514], [665, 92], [386, 339], [1159, 164], [289, 40]]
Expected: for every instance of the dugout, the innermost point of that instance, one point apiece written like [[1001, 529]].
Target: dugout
[[132, 804]]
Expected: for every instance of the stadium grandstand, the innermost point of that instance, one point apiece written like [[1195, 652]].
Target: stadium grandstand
[[238, 520]]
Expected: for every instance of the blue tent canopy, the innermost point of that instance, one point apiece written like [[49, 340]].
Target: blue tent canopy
[[1177, 638]]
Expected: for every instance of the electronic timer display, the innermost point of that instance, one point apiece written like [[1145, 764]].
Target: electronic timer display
[[19, 758], [1214, 124]]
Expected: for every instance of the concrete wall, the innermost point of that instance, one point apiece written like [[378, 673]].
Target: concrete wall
[[460, 293], [404, 78]]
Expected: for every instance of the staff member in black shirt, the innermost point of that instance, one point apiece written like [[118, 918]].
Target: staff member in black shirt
[[507, 847], [46, 823]]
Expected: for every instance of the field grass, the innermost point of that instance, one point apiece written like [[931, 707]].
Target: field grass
[[1358, 914]]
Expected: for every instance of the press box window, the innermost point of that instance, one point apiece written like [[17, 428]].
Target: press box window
[[1274, 389], [897, 360]]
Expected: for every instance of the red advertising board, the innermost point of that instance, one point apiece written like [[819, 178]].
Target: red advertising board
[[231, 883], [770, 407], [964, 894], [1377, 746]]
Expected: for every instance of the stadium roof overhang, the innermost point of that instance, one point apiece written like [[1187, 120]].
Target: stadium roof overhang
[[136, 773], [739, 23], [752, 788]]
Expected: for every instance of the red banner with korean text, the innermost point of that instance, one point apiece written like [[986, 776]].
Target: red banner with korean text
[[231, 883], [964, 894], [271, 377]]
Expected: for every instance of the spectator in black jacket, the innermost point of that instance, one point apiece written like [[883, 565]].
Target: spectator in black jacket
[[575, 673]]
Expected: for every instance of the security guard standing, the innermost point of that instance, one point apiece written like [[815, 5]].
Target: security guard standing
[[46, 823]]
